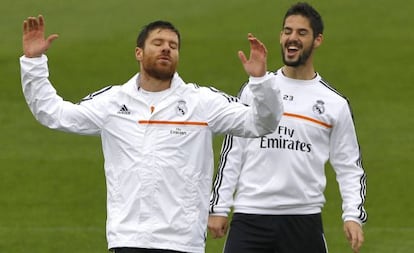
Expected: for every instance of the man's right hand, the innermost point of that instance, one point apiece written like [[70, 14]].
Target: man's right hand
[[217, 226], [34, 42]]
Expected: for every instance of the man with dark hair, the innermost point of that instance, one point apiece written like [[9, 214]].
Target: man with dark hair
[[276, 183], [143, 35], [156, 133]]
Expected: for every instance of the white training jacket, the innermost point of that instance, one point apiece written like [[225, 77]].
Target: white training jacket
[[158, 160], [283, 173]]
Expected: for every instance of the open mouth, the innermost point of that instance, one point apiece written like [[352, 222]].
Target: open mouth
[[292, 50]]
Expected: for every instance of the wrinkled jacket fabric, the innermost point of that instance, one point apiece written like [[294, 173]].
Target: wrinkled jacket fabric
[[158, 158]]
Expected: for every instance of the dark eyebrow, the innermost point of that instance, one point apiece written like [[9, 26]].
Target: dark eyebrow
[[286, 28]]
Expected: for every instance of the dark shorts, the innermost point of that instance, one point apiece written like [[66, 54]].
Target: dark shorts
[[275, 234], [141, 250]]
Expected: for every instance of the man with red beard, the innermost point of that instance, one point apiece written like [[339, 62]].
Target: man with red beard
[[276, 183], [156, 133]]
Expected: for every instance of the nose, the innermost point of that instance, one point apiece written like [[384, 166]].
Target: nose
[[166, 49], [294, 36]]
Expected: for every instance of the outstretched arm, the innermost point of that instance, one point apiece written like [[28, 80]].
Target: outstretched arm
[[34, 42], [256, 65]]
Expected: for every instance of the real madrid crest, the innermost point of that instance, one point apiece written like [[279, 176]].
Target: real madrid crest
[[319, 107], [181, 108]]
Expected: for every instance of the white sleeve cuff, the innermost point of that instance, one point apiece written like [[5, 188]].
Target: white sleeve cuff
[[254, 79], [219, 214]]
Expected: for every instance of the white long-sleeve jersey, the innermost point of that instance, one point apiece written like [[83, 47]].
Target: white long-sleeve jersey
[[158, 158], [284, 172]]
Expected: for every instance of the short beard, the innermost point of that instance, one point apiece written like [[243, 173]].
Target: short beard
[[300, 61], [160, 75]]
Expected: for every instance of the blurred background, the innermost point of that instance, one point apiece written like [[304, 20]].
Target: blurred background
[[52, 185]]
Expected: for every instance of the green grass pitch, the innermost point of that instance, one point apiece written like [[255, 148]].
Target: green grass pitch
[[52, 186]]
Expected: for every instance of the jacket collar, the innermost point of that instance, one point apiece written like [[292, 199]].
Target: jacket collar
[[131, 86]]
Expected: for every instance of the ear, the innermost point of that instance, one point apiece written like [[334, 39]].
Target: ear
[[138, 53], [318, 41]]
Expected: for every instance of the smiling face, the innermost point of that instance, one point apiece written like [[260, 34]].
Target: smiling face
[[159, 56], [298, 41]]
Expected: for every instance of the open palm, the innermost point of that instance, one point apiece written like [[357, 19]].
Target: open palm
[[256, 65], [34, 42]]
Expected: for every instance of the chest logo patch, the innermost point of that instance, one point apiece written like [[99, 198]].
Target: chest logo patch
[[124, 110], [319, 107], [181, 108]]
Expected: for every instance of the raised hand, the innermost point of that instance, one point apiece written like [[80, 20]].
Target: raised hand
[[34, 42], [256, 65]]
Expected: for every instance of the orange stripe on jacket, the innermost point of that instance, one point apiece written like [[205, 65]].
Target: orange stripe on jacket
[[165, 122], [307, 118]]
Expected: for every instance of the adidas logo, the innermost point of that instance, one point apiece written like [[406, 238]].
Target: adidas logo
[[124, 110]]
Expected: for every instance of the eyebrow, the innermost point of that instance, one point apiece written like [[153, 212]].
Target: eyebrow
[[287, 28], [300, 29]]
